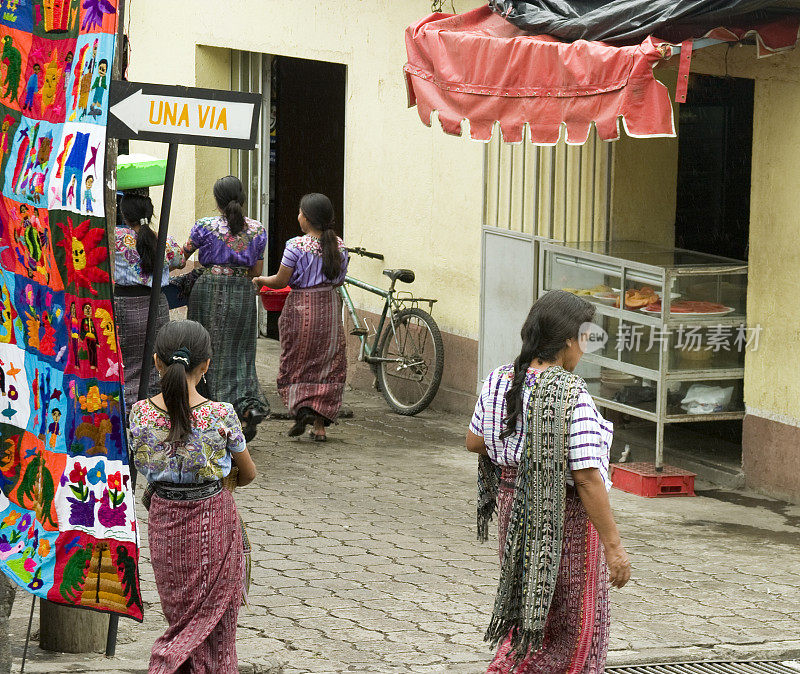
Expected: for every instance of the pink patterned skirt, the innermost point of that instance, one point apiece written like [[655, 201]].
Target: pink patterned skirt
[[576, 632], [313, 365], [197, 557]]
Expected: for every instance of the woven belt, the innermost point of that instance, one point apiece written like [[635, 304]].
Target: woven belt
[[187, 492], [224, 270], [571, 491]]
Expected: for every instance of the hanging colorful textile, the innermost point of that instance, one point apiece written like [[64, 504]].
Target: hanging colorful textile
[[67, 525]]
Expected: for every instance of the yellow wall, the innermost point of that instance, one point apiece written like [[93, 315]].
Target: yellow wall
[[645, 181], [410, 192], [772, 383]]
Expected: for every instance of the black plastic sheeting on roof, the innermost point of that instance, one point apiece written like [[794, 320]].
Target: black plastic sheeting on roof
[[631, 21]]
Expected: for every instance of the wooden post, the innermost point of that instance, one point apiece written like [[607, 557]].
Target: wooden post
[[71, 630], [7, 592]]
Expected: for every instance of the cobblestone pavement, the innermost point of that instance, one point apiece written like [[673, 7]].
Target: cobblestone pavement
[[365, 560]]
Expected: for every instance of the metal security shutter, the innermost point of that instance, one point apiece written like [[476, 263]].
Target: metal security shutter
[[717, 667]]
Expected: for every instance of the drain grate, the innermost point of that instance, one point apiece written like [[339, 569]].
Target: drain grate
[[772, 667]]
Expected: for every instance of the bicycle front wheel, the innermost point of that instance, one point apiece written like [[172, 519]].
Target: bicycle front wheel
[[410, 375]]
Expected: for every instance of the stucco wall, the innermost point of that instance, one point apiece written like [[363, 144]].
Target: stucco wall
[[410, 192], [645, 179]]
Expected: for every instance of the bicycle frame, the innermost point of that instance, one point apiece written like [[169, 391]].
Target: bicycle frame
[[367, 351]]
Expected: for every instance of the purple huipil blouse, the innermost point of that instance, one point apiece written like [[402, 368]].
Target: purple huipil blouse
[[218, 246], [303, 255]]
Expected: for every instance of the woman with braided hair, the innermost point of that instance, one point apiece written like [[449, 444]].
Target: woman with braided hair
[[185, 445], [134, 261], [544, 452], [231, 251], [313, 363]]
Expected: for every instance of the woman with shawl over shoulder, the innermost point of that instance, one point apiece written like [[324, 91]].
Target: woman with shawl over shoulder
[[185, 445], [313, 365], [231, 251], [543, 466], [134, 261]]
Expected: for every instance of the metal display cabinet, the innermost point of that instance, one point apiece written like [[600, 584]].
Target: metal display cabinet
[[652, 358]]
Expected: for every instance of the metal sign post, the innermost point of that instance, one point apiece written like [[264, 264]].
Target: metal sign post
[[179, 116]]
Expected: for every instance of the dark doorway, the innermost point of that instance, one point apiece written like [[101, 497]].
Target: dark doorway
[[715, 137], [309, 99]]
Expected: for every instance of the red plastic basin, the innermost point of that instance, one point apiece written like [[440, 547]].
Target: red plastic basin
[[273, 300]]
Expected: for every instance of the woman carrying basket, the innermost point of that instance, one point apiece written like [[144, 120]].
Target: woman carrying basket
[[544, 466], [313, 363]]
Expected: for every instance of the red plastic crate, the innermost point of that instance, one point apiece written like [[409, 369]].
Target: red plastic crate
[[643, 479], [273, 300]]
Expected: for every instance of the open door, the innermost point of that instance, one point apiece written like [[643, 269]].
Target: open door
[[309, 148]]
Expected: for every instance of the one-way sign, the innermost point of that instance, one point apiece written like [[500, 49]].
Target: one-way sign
[[185, 115]]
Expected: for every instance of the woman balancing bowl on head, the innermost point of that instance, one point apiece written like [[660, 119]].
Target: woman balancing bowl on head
[[231, 251], [313, 363], [544, 466], [185, 445], [134, 261]]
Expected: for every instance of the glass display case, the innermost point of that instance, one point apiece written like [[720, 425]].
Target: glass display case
[[672, 333]]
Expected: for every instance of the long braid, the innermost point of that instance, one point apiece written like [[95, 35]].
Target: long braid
[[531, 343]]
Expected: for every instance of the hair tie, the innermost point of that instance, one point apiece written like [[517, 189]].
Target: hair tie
[[182, 356], [144, 222]]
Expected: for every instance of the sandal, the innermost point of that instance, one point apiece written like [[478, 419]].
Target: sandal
[[317, 437], [252, 420], [304, 418]]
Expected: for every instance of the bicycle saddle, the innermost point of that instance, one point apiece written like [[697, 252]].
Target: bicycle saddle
[[404, 275]]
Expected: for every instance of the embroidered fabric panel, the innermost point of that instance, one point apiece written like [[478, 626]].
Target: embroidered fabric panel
[[68, 531]]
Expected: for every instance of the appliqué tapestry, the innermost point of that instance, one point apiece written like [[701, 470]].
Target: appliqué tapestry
[[68, 530]]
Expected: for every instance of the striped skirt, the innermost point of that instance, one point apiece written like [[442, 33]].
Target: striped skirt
[[197, 557], [313, 364], [577, 628], [226, 307], [131, 317]]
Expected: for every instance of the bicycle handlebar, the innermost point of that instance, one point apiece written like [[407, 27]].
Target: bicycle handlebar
[[365, 253]]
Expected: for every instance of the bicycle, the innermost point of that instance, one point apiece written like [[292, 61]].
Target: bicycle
[[407, 352]]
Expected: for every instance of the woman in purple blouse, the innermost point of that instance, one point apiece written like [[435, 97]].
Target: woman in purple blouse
[[313, 364], [231, 251]]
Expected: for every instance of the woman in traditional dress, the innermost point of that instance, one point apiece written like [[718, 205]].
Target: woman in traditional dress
[[544, 466], [231, 250], [313, 363], [134, 260], [185, 445]]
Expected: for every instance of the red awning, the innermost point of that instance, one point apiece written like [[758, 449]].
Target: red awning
[[479, 67]]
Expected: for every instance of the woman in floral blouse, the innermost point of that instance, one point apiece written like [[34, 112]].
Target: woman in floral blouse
[[231, 251], [184, 445], [134, 261]]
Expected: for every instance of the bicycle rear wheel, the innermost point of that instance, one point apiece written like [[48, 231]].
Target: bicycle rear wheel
[[410, 378]]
